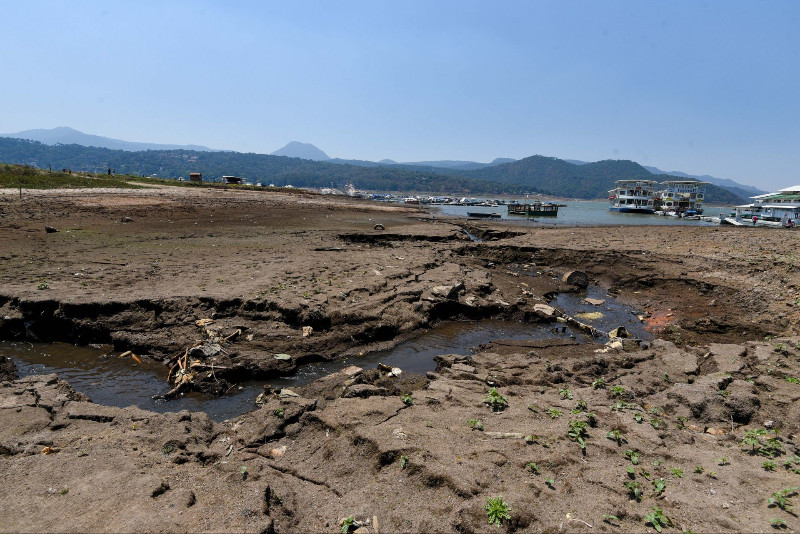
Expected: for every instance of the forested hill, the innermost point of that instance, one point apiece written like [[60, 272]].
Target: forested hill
[[536, 174], [590, 180]]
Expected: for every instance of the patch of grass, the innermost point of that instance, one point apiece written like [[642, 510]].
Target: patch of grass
[[16, 176], [407, 399], [497, 510]]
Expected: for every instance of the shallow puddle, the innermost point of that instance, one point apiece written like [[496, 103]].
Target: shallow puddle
[[124, 382]]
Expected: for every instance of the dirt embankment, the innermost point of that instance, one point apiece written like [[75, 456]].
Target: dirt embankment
[[311, 277]]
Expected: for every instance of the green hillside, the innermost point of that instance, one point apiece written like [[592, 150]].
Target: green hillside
[[536, 174]]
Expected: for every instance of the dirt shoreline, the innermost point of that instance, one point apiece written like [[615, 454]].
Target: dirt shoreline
[[315, 278]]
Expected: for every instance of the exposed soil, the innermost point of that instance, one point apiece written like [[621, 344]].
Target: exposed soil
[[311, 277]]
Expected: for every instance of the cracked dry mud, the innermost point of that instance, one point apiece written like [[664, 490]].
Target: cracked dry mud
[[137, 269]]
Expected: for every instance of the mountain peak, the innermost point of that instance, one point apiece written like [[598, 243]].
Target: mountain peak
[[296, 149], [64, 135]]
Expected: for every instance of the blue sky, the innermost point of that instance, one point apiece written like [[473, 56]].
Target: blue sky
[[702, 87]]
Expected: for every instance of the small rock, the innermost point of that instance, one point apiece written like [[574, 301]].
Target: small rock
[[576, 278], [282, 356], [544, 309], [286, 392], [307, 331], [50, 230], [594, 302]]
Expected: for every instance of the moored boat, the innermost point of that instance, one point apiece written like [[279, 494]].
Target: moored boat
[[632, 196], [536, 209]]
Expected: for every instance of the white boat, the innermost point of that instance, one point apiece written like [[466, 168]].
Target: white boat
[[681, 196], [772, 209], [632, 196]]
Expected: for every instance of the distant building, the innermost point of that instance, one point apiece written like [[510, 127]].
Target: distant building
[[195, 176], [232, 180]]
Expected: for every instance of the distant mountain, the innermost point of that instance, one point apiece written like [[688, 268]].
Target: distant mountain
[[296, 149], [722, 182], [535, 174], [67, 136]]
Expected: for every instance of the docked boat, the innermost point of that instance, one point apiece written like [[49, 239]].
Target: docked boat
[[632, 196], [680, 196], [536, 209], [481, 215], [772, 209]]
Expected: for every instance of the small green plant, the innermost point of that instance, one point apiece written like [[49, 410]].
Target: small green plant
[[617, 391], [554, 413], [475, 424], [657, 462], [631, 472], [780, 348], [638, 417], [348, 523], [681, 422], [633, 456], [618, 436], [699, 469], [580, 406], [42, 284], [793, 380], [278, 412], [550, 483], [634, 488], [495, 400], [659, 485], [600, 383], [769, 465], [677, 472], [711, 474], [658, 519], [82, 453], [497, 510], [666, 378], [655, 422], [591, 418], [403, 461], [781, 499], [723, 461], [167, 449], [778, 523], [64, 491], [610, 519], [533, 468], [576, 430], [243, 472], [565, 394], [407, 399]]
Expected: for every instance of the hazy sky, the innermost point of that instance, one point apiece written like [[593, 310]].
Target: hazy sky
[[701, 87]]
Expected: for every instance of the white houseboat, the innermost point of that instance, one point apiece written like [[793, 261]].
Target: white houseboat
[[632, 196], [776, 208], [681, 197]]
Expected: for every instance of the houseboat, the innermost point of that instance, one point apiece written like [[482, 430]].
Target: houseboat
[[632, 196], [537, 209], [680, 197], [777, 208]]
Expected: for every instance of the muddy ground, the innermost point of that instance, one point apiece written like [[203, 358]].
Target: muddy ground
[[312, 277]]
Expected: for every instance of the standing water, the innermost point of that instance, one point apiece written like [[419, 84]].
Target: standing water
[[122, 382]]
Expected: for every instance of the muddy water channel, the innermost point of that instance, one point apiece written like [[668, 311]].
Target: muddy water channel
[[109, 380]]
